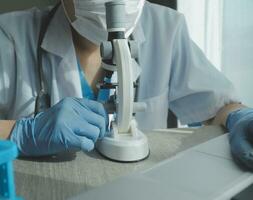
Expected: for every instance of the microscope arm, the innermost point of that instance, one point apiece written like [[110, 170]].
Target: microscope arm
[[125, 90]]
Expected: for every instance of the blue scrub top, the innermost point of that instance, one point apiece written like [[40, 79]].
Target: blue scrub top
[[87, 92]]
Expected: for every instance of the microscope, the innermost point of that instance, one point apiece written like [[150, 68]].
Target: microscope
[[125, 142]]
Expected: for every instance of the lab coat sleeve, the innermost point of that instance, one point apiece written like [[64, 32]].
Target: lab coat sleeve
[[7, 73], [197, 89]]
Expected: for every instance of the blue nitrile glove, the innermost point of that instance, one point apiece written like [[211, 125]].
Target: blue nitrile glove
[[240, 126], [72, 124]]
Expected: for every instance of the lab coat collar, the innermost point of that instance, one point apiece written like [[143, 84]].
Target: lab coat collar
[[138, 34], [58, 37]]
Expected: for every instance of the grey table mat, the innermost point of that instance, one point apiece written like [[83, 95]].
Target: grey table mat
[[67, 175]]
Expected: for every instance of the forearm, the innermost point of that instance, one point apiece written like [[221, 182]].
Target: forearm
[[5, 128], [222, 114]]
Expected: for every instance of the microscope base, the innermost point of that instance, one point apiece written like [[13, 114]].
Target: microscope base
[[124, 147]]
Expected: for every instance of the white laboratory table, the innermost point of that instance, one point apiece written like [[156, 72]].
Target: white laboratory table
[[68, 175]]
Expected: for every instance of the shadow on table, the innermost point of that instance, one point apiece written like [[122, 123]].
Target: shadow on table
[[27, 187], [63, 157]]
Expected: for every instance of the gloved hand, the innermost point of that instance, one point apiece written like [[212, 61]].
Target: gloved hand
[[240, 126], [72, 124]]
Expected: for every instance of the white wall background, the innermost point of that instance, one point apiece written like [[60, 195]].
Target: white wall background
[[204, 19], [223, 29], [237, 57]]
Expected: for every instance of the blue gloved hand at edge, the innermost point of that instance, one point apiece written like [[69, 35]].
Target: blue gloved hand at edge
[[240, 126], [71, 125]]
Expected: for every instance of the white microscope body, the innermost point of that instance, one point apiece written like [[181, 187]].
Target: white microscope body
[[125, 143]]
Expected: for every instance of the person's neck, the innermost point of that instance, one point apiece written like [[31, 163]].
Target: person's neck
[[82, 45], [89, 58], [88, 53]]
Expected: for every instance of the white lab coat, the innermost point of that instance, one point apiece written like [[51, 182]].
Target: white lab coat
[[175, 73]]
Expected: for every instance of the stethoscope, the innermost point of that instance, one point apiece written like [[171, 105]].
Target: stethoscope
[[43, 98], [42, 101]]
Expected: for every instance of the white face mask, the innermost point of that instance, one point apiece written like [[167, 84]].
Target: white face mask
[[91, 18]]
